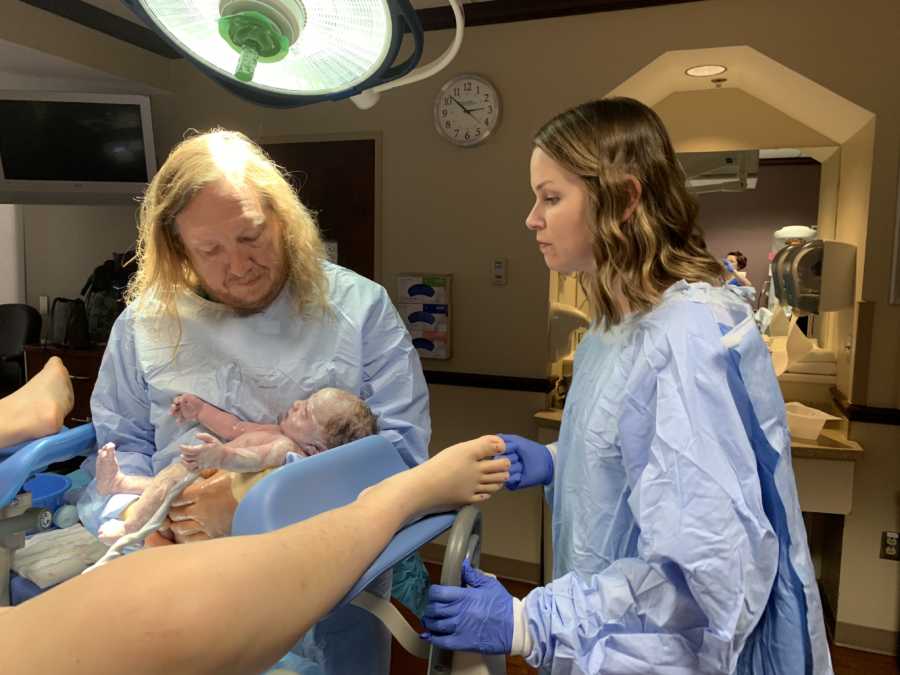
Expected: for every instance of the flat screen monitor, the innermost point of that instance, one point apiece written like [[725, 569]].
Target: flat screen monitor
[[74, 148]]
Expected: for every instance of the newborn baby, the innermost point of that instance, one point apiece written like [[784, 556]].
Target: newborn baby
[[327, 419]]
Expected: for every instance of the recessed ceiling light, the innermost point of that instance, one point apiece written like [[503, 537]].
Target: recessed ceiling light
[[705, 71]]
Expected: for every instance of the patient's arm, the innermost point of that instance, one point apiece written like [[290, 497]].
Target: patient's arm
[[247, 453], [188, 408], [39, 407], [222, 606]]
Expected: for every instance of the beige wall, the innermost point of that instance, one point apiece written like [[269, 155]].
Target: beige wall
[[512, 520], [870, 586], [451, 210], [63, 245]]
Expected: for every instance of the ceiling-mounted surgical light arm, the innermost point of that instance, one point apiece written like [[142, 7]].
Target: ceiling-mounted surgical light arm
[[368, 98]]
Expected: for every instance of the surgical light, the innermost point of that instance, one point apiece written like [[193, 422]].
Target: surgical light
[[290, 53]]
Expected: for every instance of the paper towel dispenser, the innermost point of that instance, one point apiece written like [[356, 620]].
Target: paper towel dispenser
[[815, 276]]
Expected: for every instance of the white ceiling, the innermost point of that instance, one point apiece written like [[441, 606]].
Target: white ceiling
[[17, 59]]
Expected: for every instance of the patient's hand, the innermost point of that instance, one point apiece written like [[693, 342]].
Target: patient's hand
[[208, 454], [186, 407]]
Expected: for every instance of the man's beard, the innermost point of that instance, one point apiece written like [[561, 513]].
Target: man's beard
[[234, 302]]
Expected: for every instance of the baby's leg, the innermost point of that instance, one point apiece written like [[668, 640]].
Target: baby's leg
[[464, 473], [110, 480], [39, 407], [143, 509]]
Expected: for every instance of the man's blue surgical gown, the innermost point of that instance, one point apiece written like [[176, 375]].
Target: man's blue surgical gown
[[255, 366], [679, 545]]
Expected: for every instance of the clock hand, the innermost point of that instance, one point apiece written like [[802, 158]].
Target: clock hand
[[465, 109]]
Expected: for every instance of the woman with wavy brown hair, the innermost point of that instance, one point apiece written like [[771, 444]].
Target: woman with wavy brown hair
[[679, 545]]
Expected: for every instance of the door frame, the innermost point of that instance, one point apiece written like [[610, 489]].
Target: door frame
[[375, 136]]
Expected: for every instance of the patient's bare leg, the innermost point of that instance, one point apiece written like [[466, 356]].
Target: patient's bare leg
[[111, 480], [186, 590], [39, 407]]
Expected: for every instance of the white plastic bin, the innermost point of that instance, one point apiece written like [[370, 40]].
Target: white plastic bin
[[805, 422]]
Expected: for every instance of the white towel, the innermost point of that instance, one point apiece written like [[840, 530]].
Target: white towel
[[49, 558]]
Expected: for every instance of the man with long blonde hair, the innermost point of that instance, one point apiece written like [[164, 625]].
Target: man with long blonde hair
[[234, 301]]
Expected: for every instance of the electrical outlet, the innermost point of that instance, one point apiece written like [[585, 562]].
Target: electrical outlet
[[498, 271], [890, 546]]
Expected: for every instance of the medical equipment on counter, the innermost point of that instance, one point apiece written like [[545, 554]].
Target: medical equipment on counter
[[332, 479], [805, 422], [815, 276], [19, 463]]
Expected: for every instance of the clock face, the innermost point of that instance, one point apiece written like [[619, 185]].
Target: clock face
[[466, 110]]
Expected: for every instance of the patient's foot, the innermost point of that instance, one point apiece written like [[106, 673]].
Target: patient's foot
[[111, 480], [462, 474], [39, 407]]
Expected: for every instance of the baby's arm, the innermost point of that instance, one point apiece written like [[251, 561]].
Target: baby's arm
[[248, 453], [188, 407]]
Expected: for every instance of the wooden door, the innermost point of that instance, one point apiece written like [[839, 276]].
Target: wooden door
[[336, 180]]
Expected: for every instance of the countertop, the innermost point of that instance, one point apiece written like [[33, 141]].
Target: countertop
[[832, 443]]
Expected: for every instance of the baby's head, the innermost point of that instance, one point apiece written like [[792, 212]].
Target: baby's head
[[327, 419]]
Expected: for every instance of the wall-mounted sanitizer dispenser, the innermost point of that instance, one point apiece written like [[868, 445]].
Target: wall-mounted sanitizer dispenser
[[815, 276]]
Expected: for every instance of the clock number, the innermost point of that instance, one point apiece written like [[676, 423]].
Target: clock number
[[487, 121], [456, 91], [477, 131], [444, 112], [447, 124], [490, 109], [456, 132], [478, 89], [467, 135], [448, 100], [487, 97], [467, 86]]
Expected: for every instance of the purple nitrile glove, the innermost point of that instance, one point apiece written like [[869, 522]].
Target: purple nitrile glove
[[474, 618], [530, 463]]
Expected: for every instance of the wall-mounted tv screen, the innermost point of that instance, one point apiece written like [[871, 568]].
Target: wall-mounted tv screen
[[74, 148]]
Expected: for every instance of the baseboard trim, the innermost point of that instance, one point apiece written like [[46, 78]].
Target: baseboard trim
[[507, 568], [867, 639]]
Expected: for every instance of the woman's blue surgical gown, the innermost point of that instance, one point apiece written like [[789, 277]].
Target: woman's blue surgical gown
[[679, 546]]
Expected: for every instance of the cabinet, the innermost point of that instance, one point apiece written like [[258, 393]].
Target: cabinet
[[83, 366]]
